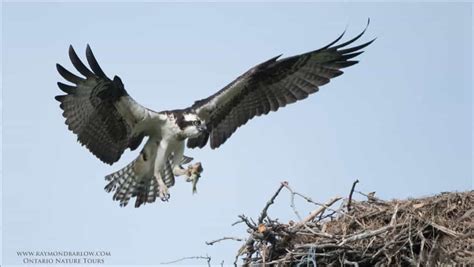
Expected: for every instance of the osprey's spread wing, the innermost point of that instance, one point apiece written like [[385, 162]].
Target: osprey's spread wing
[[269, 86], [99, 109]]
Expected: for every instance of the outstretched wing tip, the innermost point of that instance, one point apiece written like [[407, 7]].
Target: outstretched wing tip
[[68, 89], [371, 41], [94, 64], [78, 64], [59, 98], [71, 51], [89, 51], [67, 75], [271, 60], [335, 40], [339, 46]]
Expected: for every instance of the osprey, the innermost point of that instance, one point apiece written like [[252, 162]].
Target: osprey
[[108, 121]]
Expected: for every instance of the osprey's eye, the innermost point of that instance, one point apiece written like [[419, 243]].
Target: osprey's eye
[[196, 123]]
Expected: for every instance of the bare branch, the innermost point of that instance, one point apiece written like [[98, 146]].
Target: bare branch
[[316, 212], [308, 199], [292, 204], [210, 243], [250, 224], [207, 258], [444, 229], [353, 263], [350, 195], [370, 196], [263, 214], [368, 234]]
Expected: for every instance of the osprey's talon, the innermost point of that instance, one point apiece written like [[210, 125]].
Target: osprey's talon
[[163, 193]]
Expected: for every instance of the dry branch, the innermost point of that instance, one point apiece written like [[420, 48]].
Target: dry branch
[[263, 214], [350, 195], [317, 212], [210, 243], [207, 258]]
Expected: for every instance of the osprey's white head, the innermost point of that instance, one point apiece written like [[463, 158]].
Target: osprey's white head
[[190, 124]]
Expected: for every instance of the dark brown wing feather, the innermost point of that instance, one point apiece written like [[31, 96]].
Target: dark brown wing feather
[[89, 109], [270, 86]]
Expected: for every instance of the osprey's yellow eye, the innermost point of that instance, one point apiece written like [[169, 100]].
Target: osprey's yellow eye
[[197, 123]]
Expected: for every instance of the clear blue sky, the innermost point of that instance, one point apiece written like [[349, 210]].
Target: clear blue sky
[[400, 121]]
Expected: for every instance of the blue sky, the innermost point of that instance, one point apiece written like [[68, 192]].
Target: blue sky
[[400, 121]]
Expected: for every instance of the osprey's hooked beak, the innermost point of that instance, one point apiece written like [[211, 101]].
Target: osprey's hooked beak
[[202, 127]]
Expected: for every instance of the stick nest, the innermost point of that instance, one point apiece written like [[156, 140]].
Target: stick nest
[[428, 231]]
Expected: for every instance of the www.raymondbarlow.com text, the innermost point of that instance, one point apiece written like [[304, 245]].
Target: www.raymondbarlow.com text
[[63, 257]]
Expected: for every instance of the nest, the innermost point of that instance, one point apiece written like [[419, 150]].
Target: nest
[[430, 231]]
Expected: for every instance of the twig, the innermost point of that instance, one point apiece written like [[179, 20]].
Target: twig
[[244, 219], [292, 203], [394, 216], [422, 247], [371, 197], [317, 233], [308, 199], [191, 258], [237, 222], [322, 246], [315, 213], [350, 195], [353, 263], [368, 246], [210, 243], [410, 240], [444, 229], [263, 214], [368, 234], [429, 261], [410, 260]]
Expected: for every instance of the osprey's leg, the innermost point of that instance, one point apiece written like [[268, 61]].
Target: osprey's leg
[[163, 192], [161, 157], [191, 171], [177, 157]]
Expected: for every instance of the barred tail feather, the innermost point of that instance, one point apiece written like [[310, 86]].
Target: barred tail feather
[[114, 178], [124, 192], [146, 192], [127, 183], [123, 182]]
